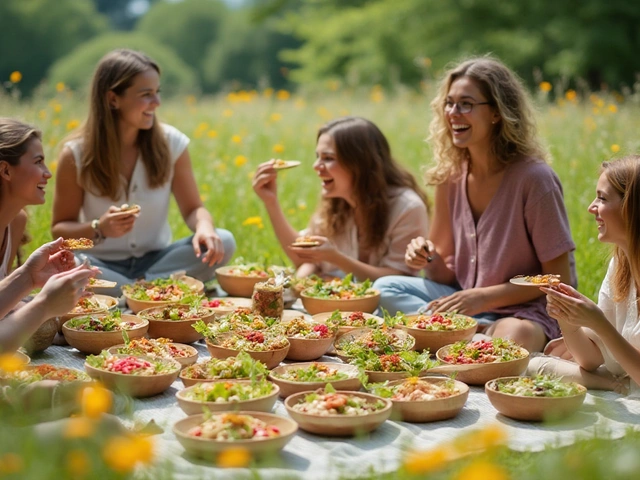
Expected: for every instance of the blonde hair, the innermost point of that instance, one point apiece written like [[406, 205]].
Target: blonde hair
[[624, 177], [514, 136], [100, 164]]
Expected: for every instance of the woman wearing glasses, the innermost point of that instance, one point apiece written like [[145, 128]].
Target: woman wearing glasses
[[499, 211]]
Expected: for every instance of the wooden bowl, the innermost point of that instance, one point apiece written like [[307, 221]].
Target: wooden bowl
[[323, 317], [338, 425], [430, 410], [193, 407], [180, 331], [305, 349], [43, 337], [109, 303], [136, 385], [190, 359], [270, 358], [479, 374], [95, 342], [237, 302], [23, 357], [139, 305], [357, 333], [434, 340], [532, 409], [319, 305], [189, 382], [288, 387], [379, 377], [209, 449], [236, 285]]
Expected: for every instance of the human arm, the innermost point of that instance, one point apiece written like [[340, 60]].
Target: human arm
[[18, 226], [195, 215]]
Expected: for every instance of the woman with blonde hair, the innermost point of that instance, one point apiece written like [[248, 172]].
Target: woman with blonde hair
[[499, 210], [124, 155], [371, 206]]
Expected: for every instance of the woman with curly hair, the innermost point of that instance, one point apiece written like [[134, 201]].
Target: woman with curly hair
[[499, 210], [371, 207]]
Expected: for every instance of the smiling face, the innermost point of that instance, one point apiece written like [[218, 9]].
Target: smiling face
[[26, 181], [137, 104], [337, 181], [607, 208], [471, 130]]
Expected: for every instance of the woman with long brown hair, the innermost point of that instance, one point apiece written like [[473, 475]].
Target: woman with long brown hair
[[370, 208], [124, 155]]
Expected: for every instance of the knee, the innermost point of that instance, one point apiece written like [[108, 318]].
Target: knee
[[229, 244], [387, 285]]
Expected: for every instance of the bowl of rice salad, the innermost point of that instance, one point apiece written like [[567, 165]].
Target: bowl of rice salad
[[269, 348], [239, 367], [434, 331], [176, 321], [158, 347], [145, 294], [302, 377]]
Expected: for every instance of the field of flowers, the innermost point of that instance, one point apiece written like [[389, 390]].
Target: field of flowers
[[231, 134]]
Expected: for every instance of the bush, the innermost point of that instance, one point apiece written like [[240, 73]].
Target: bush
[[76, 69]]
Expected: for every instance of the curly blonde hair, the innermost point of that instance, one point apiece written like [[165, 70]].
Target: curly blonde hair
[[514, 136]]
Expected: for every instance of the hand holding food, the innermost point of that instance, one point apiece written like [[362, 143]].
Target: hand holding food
[[77, 244], [264, 182], [566, 304], [115, 222], [536, 280], [324, 251], [279, 164], [306, 242], [48, 260]]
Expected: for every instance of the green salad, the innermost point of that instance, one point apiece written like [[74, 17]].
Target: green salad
[[316, 372], [240, 366], [340, 289], [410, 361], [162, 290], [223, 392], [539, 386]]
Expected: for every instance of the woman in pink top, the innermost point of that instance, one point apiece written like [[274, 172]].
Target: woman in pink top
[[499, 210]]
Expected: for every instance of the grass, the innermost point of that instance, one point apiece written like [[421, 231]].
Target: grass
[[230, 135]]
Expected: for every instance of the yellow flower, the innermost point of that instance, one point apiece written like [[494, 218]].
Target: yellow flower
[[250, 175], [324, 113], [252, 221], [275, 117], [283, 95], [267, 92], [57, 108], [615, 148], [278, 148], [11, 363], [122, 453], [203, 197], [488, 437], [545, 86], [53, 166], [482, 470], [377, 94], [15, 77], [73, 124], [203, 126], [333, 85], [236, 139], [60, 87], [612, 108], [227, 113], [291, 211], [42, 114], [79, 427], [571, 95], [95, 401], [221, 167], [234, 458], [11, 463], [595, 110], [205, 187], [56, 122], [78, 464], [240, 160], [421, 462], [212, 134], [302, 206]]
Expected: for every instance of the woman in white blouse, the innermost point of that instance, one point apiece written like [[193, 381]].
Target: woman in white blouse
[[123, 154]]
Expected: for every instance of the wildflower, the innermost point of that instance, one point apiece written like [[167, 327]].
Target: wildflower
[[252, 221], [236, 139], [205, 187], [55, 122], [57, 107], [275, 117], [122, 453], [545, 86], [420, 462], [278, 148], [212, 134], [302, 206], [227, 113], [73, 124], [377, 95], [615, 148], [595, 110], [203, 197], [11, 463], [240, 160], [612, 108], [221, 167], [78, 464], [283, 95], [15, 77], [268, 92], [571, 95], [291, 211], [95, 401], [42, 114], [333, 85], [484, 439], [300, 103], [481, 470], [234, 458], [79, 427], [60, 86], [53, 166], [11, 363], [324, 113], [203, 126]]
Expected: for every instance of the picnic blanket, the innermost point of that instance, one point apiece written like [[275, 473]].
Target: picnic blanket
[[310, 456]]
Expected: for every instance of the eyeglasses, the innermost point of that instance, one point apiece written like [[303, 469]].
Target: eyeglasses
[[463, 107]]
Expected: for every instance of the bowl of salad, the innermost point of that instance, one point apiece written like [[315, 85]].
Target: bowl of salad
[[239, 321], [175, 321], [94, 333], [89, 305], [535, 399], [337, 414], [380, 341], [137, 376], [347, 321], [239, 367], [268, 347], [162, 291], [391, 366], [302, 377], [258, 395], [222, 306], [207, 434], [340, 294], [239, 280], [158, 347], [420, 400], [434, 331], [308, 340], [478, 362]]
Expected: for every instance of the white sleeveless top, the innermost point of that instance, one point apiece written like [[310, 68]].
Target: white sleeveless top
[[151, 230], [4, 266]]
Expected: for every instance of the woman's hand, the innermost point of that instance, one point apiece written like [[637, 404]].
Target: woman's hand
[[114, 223], [468, 302], [46, 261], [206, 236], [264, 182], [419, 253], [63, 290], [325, 252], [570, 307]]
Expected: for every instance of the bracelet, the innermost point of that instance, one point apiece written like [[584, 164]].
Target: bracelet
[[98, 236]]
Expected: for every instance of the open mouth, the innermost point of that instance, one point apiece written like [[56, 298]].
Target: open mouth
[[460, 127]]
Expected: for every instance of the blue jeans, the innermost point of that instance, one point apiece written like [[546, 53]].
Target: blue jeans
[[179, 256]]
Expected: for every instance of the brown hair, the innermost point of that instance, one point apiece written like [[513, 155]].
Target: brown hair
[[624, 177], [15, 137], [100, 165], [364, 151], [514, 136]]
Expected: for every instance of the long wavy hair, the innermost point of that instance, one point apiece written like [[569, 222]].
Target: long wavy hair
[[101, 164], [624, 177], [364, 151], [514, 136]]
